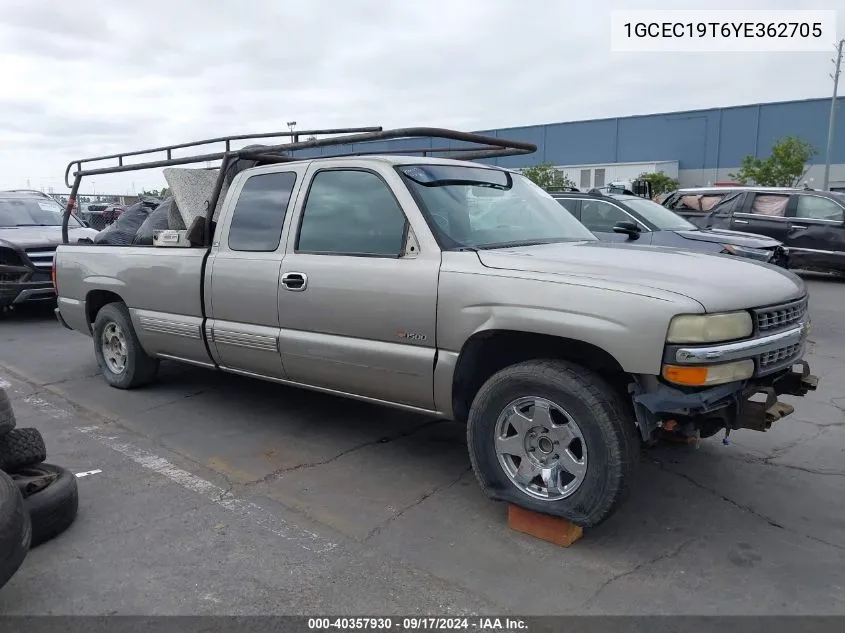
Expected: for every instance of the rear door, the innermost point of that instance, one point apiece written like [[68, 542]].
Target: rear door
[[816, 231], [244, 270], [358, 303], [763, 214]]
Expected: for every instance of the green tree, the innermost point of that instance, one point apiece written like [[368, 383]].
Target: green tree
[[546, 176], [785, 167], [660, 182]]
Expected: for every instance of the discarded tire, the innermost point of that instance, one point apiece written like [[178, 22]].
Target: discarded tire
[[7, 416], [52, 509], [15, 529], [20, 448]]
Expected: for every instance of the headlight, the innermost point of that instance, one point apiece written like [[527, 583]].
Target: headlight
[[709, 375], [710, 328], [760, 254]]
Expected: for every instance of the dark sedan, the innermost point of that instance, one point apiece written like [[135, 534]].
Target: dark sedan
[[622, 217]]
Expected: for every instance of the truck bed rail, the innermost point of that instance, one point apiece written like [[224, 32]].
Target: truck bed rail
[[474, 147]]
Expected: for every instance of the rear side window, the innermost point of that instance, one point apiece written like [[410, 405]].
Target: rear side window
[[772, 205], [818, 208], [260, 212]]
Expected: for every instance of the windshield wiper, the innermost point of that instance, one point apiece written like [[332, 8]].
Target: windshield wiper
[[516, 243], [35, 225]]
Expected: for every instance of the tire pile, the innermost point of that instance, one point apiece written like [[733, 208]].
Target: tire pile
[[38, 501]]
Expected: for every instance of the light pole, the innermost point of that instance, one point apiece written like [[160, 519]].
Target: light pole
[[291, 125], [832, 123]]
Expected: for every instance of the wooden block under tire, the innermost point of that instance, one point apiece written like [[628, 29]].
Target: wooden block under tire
[[543, 526]]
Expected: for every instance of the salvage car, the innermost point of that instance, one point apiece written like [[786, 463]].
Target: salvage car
[[362, 275], [620, 218], [30, 230], [810, 223]]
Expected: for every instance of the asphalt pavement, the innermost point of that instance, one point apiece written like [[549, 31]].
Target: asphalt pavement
[[207, 493]]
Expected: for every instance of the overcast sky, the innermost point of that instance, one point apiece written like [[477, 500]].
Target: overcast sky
[[87, 77]]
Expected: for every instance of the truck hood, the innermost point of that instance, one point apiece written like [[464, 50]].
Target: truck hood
[[29, 236], [735, 238], [717, 282]]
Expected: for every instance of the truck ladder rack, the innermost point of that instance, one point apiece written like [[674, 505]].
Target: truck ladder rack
[[474, 147]]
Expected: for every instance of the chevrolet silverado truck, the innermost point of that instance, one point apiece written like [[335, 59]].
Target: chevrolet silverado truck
[[364, 275], [30, 231]]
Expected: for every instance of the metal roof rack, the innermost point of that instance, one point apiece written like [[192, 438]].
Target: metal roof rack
[[479, 146]]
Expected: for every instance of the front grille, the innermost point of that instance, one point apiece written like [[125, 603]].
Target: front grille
[[780, 317], [778, 357], [10, 277], [42, 257]]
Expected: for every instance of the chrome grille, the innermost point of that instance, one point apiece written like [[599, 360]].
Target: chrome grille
[[782, 316], [779, 356], [42, 257]]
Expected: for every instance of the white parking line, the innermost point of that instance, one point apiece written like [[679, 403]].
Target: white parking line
[[303, 538], [88, 473]]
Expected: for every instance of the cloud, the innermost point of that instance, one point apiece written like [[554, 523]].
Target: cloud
[[90, 77]]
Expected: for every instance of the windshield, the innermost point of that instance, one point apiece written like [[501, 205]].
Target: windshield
[[488, 208], [32, 212], [658, 215]]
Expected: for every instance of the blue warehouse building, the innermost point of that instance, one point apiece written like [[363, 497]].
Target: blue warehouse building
[[699, 147]]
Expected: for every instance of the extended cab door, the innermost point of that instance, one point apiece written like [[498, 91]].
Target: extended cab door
[[358, 298], [244, 269], [764, 214]]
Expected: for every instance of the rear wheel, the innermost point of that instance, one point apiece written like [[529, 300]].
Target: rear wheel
[[555, 438], [124, 363]]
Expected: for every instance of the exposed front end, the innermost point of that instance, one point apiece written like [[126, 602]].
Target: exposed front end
[[726, 371], [25, 275]]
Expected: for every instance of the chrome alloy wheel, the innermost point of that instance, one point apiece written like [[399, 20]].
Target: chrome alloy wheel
[[541, 448], [114, 348]]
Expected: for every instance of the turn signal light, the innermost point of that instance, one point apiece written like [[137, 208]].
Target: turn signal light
[[703, 376]]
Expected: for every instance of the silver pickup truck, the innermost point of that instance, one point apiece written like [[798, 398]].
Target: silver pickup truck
[[454, 289]]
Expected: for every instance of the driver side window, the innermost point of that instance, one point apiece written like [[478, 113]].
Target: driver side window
[[351, 212], [600, 216]]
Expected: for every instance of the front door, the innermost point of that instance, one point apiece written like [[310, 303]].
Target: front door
[[357, 307], [244, 272], [763, 214], [600, 217]]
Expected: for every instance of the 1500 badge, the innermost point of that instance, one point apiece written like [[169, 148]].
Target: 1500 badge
[[412, 336]]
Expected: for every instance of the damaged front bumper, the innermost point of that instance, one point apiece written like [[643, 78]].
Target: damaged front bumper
[[749, 404]]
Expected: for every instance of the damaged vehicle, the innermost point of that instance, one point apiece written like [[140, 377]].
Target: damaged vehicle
[[810, 223], [620, 217], [30, 230], [363, 274]]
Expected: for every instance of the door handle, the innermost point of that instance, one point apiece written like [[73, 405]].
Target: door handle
[[740, 221], [295, 281], [799, 227]]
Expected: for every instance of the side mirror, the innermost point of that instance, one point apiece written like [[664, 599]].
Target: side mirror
[[628, 228]]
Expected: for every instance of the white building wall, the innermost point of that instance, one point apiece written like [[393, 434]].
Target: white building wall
[[598, 175]]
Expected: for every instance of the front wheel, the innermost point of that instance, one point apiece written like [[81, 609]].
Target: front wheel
[[124, 363], [555, 438]]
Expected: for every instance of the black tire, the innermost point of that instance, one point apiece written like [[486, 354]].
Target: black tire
[[15, 529], [139, 369], [7, 416], [605, 422], [20, 448], [53, 509]]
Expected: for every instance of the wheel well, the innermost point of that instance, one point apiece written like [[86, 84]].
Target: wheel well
[[96, 299], [488, 352]]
